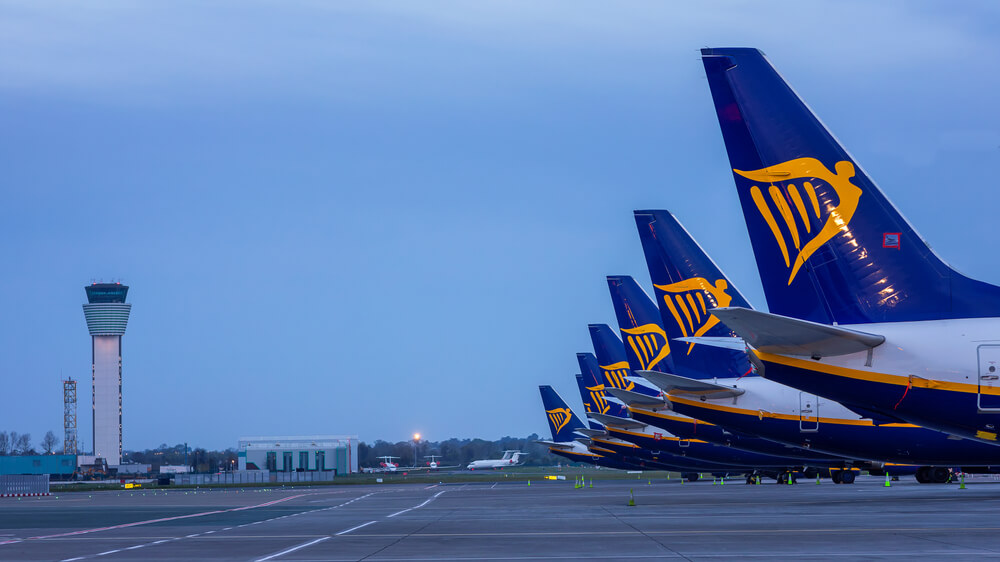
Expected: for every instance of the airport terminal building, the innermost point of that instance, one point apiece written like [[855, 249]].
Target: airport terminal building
[[303, 453]]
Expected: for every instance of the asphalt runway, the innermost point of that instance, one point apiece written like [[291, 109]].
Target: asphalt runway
[[512, 521]]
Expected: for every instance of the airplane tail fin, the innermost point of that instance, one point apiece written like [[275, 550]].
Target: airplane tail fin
[[830, 247], [646, 344], [688, 284], [611, 363], [562, 420], [592, 388]]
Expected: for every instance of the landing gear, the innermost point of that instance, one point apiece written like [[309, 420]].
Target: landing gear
[[933, 475], [842, 476], [786, 478]]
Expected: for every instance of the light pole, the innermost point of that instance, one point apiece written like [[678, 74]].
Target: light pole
[[416, 439]]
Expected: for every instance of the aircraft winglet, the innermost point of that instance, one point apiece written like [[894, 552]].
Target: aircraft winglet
[[782, 335]]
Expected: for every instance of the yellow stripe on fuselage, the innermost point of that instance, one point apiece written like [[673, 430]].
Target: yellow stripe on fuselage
[[644, 412], [915, 381]]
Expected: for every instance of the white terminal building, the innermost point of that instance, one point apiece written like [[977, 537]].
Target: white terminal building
[[301, 453], [107, 315]]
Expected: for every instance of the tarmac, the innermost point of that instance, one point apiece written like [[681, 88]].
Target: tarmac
[[548, 520]]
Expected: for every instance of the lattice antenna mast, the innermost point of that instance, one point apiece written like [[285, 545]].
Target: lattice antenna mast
[[69, 417]]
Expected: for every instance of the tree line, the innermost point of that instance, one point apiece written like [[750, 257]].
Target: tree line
[[14, 443]]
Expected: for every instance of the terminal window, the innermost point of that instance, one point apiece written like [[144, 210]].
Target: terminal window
[[320, 460], [304, 460]]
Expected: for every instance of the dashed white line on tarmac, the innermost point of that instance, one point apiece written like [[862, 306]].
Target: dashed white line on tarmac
[[109, 552], [294, 548], [345, 531]]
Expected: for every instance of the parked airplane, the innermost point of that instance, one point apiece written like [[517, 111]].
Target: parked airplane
[[655, 437], [564, 425], [638, 318], [387, 465], [766, 408], [862, 311], [510, 458]]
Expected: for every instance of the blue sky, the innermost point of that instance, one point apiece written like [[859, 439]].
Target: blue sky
[[385, 217]]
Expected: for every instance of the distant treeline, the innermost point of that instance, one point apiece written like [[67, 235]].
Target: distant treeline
[[198, 458], [14, 443], [456, 451]]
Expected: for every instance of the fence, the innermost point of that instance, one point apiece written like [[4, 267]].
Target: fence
[[253, 477], [24, 485]]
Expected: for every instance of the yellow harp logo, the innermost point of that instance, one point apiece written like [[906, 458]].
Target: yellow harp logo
[[615, 375], [598, 400], [558, 418], [688, 302], [838, 214], [649, 342]]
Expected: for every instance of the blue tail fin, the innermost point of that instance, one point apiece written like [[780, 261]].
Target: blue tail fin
[[611, 363], [688, 284], [646, 344], [829, 245], [592, 388], [562, 421], [593, 396]]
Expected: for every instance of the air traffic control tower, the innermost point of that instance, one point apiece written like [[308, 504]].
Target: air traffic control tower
[[107, 315]]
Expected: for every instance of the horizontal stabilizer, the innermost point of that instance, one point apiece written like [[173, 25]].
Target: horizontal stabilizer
[[677, 384], [736, 344], [590, 432], [635, 399], [782, 335], [555, 444], [615, 421], [586, 441]]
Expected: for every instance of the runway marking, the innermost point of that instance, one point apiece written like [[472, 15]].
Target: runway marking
[[293, 549], [163, 519], [429, 500], [109, 552], [345, 531]]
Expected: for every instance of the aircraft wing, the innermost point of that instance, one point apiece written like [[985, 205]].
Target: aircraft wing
[[615, 421], [676, 384], [635, 399], [782, 335]]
